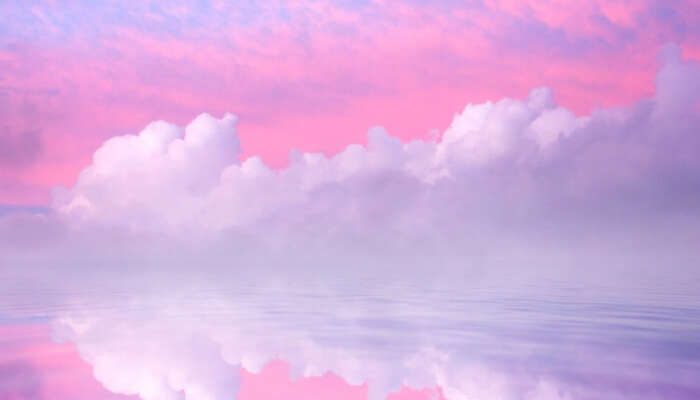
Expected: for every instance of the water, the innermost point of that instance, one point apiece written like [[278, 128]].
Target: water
[[484, 340]]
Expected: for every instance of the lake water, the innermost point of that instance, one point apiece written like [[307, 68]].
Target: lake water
[[536, 339]]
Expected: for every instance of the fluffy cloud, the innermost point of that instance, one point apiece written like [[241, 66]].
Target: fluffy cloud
[[201, 263], [530, 151]]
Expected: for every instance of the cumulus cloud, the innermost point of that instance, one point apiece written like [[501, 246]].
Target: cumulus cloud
[[203, 263], [529, 151]]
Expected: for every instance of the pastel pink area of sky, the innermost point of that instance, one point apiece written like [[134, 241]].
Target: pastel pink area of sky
[[313, 76], [33, 367]]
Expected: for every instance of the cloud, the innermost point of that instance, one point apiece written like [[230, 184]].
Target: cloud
[[538, 153], [179, 262], [149, 171]]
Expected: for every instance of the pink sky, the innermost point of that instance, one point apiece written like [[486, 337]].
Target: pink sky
[[312, 76]]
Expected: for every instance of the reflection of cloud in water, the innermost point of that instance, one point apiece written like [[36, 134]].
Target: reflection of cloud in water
[[475, 342]]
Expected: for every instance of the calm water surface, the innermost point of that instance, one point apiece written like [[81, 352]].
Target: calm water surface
[[594, 341]]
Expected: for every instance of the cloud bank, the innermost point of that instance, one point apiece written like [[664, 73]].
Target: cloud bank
[[511, 191], [530, 153]]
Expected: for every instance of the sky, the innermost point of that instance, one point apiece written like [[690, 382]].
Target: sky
[[374, 199], [312, 76]]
